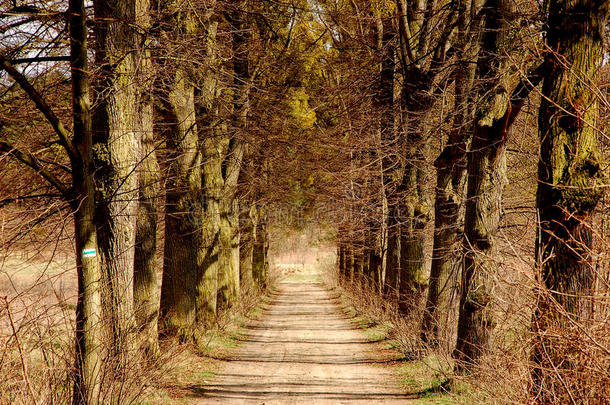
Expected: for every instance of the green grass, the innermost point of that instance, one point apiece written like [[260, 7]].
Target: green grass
[[205, 375], [379, 332], [163, 398], [436, 398], [424, 375], [364, 322], [240, 321], [393, 344], [428, 377], [256, 312], [215, 344]]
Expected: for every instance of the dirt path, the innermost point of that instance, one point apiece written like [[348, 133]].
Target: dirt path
[[304, 351]]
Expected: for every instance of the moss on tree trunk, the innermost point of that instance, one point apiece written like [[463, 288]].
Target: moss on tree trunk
[[571, 179], [486, 170], [116, 153]]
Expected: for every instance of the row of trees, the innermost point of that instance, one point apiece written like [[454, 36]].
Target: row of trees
[[195, 125], [159, 124], [489, 59]]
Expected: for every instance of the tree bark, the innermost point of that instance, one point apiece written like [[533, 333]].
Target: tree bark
[[570, 186], [349, 274], [246, 249], [367, 275], [209, 260], [146, 280], [235, 249], [259, 250], [211, 139], [89, 336], [486, 180], [342, 262], [358, 263], [246, 253], [413, 209], [182, 213], [89, 349], [450, 179], [228, 277], [116, 154], [392, 257], [385, 103]]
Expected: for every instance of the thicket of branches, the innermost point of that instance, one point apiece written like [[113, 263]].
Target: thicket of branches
[[456, 149]]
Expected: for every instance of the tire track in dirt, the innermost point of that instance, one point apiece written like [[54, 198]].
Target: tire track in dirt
[[304, 351]]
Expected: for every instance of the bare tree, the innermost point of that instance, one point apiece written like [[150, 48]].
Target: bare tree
[[80, 195]]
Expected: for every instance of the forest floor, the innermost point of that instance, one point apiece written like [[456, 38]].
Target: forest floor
[[304, 349]]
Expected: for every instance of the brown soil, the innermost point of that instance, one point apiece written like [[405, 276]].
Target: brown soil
[[304, 351]]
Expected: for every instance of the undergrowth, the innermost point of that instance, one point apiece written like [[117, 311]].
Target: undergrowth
[[423, 372], [188, 368]]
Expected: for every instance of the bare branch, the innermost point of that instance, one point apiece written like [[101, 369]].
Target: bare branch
[[31, 161], [405, 32], [39, 59], [43, 107]]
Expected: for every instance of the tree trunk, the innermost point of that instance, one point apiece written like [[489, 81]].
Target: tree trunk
[[207, 276], [209, 260], [89, 337], [264, 244], [235, 249], [248, 239], [350, 262], [375, 268], [413, 210], [442, 279], [570, 186], [116, 153], [342, 261], [367, 276], [412, 280], [89, 334], [225, 234], [389, 162], [392, 269], [259, 253], [228, 277], [228, 274], [450, 176], [146, 280], [486, 180], [486, 172], [358, 263], [246, 251], [184, 205], [88, 345], [208, 117], [182, 213]]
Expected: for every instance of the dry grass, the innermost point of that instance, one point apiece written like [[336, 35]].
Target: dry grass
[[37, 303], [581, 376], [37, 306]]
